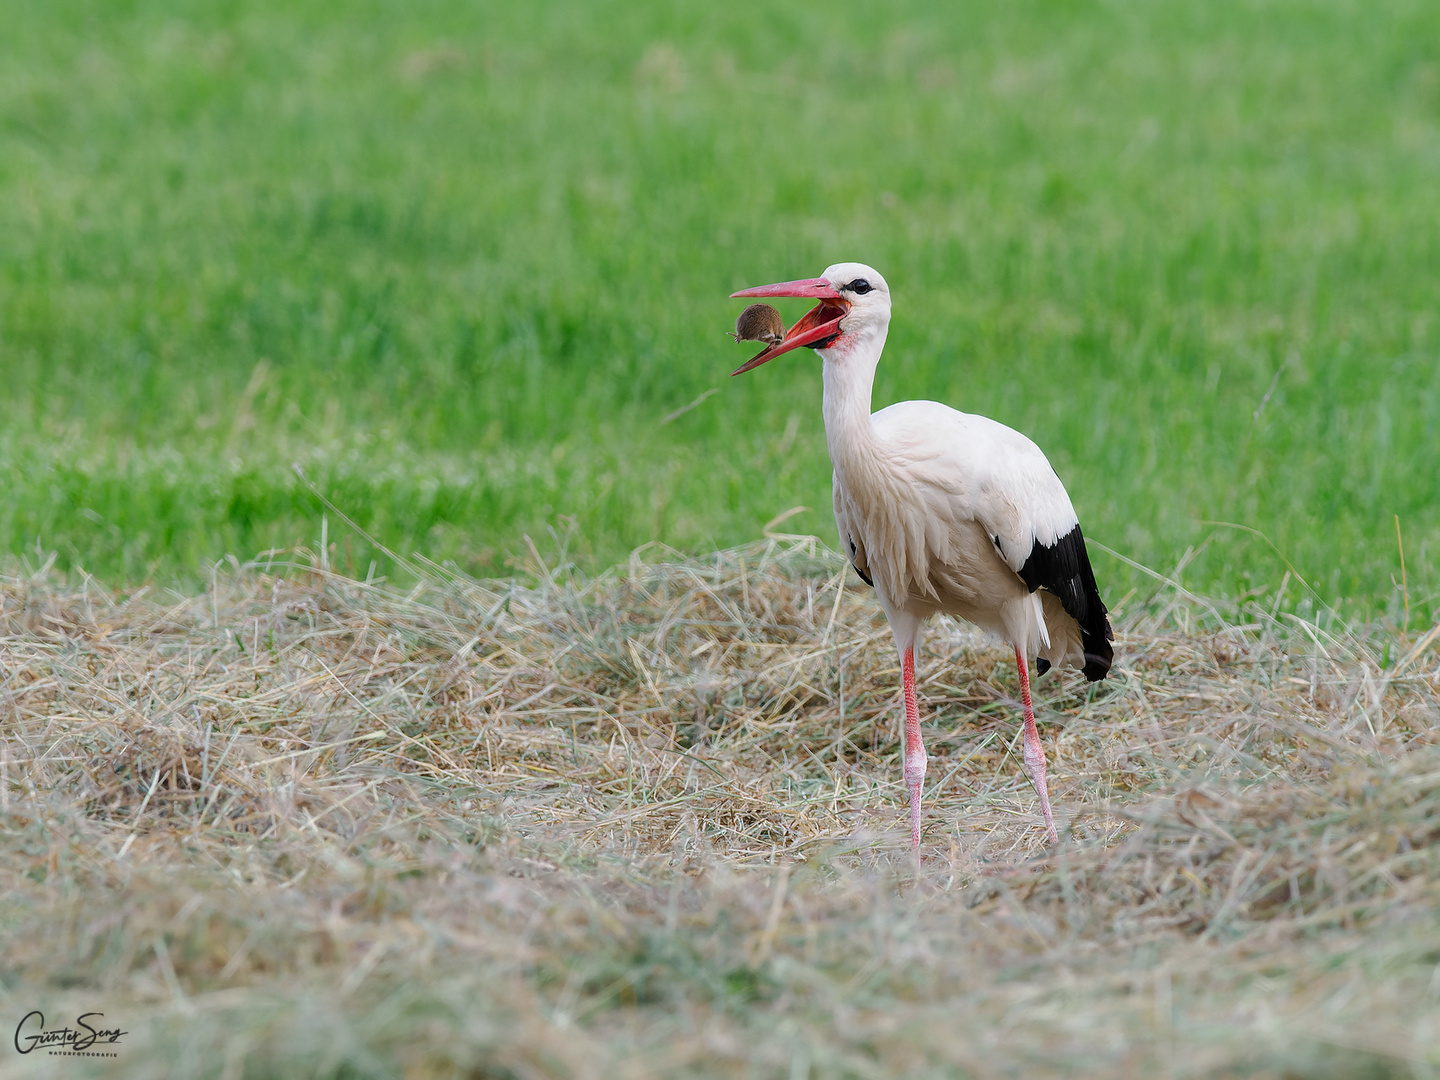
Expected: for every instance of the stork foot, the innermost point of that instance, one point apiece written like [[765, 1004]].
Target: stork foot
[[1035, 765], [915, 787]]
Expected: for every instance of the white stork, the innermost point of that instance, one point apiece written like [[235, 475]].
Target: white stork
[[944, 511]]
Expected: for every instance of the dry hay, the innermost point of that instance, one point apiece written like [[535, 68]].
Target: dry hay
[[651, 825]]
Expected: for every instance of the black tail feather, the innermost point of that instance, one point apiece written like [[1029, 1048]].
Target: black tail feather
[[1063, 568]]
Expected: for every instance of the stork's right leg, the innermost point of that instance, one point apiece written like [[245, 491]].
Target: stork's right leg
[[914, 747], [1034, 752]]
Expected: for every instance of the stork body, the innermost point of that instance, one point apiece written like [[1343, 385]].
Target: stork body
[[944, 511]]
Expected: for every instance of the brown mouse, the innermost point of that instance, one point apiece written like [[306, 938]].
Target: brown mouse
[[760, 322]]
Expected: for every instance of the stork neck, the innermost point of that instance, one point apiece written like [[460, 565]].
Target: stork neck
[[849, 376]]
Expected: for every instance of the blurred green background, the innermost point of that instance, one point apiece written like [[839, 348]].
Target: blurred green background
[[460, 262]]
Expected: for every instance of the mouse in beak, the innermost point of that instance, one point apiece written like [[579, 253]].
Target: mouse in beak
[[760, 322]]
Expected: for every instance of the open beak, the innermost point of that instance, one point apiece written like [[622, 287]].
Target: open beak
[[821, 322]]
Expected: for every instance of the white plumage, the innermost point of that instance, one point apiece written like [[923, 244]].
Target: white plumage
[[944, 511]]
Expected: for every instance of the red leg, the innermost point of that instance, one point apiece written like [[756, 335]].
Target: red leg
[[914, 748], [1034, 752]]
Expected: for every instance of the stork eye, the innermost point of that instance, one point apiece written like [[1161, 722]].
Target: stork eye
[[859, 286]]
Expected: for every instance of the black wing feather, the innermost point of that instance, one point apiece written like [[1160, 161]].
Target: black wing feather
[[1063, 568]]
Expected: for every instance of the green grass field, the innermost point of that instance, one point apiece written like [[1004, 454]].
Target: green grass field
[[461, 261]]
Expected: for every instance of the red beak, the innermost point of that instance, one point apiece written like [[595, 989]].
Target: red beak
[[819, 323]]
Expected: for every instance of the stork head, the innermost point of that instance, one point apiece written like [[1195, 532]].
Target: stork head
[[854, 305]]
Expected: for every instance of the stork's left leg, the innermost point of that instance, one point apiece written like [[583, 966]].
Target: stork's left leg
[[1034, 752], [914, 747]]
